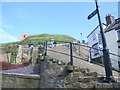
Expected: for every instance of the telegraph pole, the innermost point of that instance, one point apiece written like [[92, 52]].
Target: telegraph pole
[[106, 57]]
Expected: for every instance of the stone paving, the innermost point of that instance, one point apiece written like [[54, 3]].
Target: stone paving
[[24, 70]]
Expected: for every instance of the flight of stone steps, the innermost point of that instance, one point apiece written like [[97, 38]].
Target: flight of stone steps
[[62, 53]]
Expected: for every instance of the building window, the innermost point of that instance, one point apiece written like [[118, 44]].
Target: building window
[[117, 21], [94, 36], [94, 51], [99, 39], [118, 33]]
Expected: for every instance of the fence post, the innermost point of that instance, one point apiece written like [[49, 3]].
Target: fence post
[[45, 48], [79, 49], [71, 55], [90, 57]]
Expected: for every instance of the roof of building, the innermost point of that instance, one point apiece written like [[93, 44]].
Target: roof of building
[[115, 25], [95, 29]]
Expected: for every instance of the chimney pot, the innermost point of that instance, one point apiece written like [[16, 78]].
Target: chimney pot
[[109, 19]]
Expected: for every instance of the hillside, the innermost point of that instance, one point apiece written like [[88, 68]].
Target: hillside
[[33, 39], [38, 39]]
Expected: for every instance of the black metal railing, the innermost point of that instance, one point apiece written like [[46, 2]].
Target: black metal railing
[[72, 48], [44, 53]]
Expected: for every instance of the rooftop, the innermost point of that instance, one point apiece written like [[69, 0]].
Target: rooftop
[[115, 25], [95, 29]]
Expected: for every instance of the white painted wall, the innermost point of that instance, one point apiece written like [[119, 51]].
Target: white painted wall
[[111, 39], [92, 41], [112, 44]]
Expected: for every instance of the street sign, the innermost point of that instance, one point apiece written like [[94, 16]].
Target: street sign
[[92, 14], [106, 57]]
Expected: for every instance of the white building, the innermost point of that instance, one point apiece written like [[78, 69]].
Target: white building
[[94, 41], [112, 35]]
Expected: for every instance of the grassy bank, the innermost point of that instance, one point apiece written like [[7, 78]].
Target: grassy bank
[[33, 39]]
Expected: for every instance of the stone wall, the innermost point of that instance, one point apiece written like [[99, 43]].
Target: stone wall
[[26, 53], [0, 81], [20, 81], [5, 57], [54, 74]]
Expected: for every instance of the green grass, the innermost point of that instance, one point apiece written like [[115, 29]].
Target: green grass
[[38, 39], [8, 44], [1, 52], [12, 59], [7, 49], [49, 37], [17, 63], [35, 40]]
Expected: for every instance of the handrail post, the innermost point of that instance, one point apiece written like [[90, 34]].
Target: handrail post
[[71, 54], [45, 48], [79, 49]]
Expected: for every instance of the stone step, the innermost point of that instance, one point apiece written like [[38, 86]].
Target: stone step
[[108, 85], [86, 79]]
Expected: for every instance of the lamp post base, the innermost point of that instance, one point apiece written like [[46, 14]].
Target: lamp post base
[[109, 80]]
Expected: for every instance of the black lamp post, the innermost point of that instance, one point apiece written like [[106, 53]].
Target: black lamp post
[[106, 57]]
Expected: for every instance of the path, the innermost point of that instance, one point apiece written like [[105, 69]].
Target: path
[[62, 53]]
